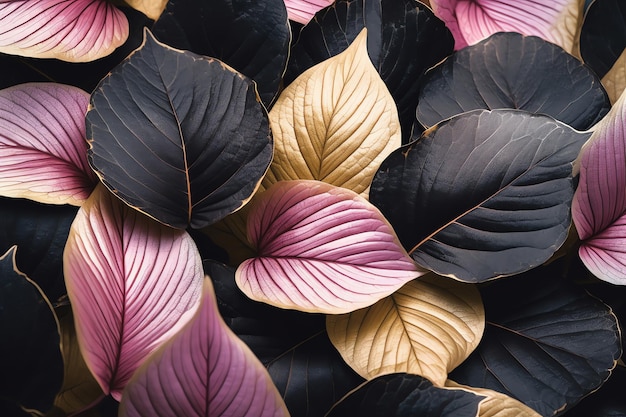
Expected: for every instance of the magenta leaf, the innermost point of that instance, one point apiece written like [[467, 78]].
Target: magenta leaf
[[205, 370], [43, 150], [302, 11], [70, 30], [321, 249], [599, 205], [132, 283]]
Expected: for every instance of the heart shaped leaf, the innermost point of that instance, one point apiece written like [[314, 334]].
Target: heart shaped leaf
[[406, 395], [471, 21], [43, 151], [31, 371], [480, 189], [599, 206], [547, 343], [132, 283], [427, 327], [321, 249], [336, 123], [509, 70], [180, 137], [70, 30], [205, 370]]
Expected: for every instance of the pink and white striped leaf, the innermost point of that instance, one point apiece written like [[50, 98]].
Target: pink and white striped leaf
[[599, 205], [321, 248], [205, 370], [69, 30], [132, 282], [302, 11], [471, 21], [43, 150]]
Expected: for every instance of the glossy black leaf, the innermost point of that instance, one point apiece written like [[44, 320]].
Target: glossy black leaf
[[603, 34], [306, 368], [547, 343], [510, 70], [403, 42], [608, 401], [31, 368], [40, 231], [406, 395], [482, 195], [180, 137], [253, 37]]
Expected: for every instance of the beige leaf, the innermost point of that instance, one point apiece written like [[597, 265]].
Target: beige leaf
[[428, 327], [335, 123], [497, 404], [614, 81], [151, 8]]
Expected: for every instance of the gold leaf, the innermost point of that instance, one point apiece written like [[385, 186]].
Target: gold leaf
[[428, 327], [151, 8], [497, 404], [614, 81]]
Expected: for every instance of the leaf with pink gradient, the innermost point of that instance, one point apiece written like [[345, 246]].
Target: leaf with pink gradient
[[43, 150], [205, 370], [599, 205], [321, 248], [302, 11], [132, 283], [69, 30], [471, 21]]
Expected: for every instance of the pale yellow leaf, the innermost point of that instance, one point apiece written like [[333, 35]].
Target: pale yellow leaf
[[151, 8], [428, 327], [335, 123], [497, 404], [614, 81]]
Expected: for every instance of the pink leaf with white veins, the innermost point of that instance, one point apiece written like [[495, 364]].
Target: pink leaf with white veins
[[302, 11], [43, 150], [471, 21], [203, 371], [599, 206], [321, 248], [69, 30], [132, 282]]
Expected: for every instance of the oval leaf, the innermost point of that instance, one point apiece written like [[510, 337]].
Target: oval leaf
[[427, 327], [151, 8], [599, 206], [43, 151], [132, 283], [70, 30], [547, 343], [471, 21], [205, 370], [479, 190], [180, 137], [405, 395], [321, 249], [336, 123], [509, 70], [302, 11]]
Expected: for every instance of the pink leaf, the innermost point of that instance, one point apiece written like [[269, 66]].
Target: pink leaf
[[321, 249], [132, 282], [302, 11], [43, 150], [471, 21], [205, 370], [70, 30], [599, 206]]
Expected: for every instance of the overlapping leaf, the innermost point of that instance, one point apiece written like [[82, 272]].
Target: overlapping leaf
[[43, 151], [497, 404], [71, 30], [151, 8], [471, 21], [336, 123], [480, 190], [509, 70], [321, 248], [302, 11], [180, 137], [205, 370], [599, 206], [547, 343], [132, 283], [427, 327]]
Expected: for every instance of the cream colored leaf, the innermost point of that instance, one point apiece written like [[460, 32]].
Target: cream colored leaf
[[614, 81], [151, 8], [428, 327], [335, 123], [497, 404]]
